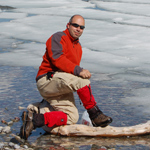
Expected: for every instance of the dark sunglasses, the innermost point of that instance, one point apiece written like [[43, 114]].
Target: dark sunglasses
[[76, 25]]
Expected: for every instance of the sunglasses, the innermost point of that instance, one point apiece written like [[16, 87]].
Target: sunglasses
[[76, 26]]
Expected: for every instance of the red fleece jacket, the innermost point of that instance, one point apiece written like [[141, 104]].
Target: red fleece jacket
[[62, 53]]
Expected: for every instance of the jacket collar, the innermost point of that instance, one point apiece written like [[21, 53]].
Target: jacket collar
[[72, 39]]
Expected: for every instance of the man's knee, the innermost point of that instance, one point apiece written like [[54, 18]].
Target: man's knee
[[83, 82], [72, 118]]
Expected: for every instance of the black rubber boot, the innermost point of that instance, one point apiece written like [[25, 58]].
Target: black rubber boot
[[38, 120], [98, 118]]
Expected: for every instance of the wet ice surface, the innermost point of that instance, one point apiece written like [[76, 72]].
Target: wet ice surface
[[115, 49], [18, 88]]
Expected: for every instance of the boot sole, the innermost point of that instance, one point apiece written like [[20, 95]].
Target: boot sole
[[24, 118], [106, 123], [103, 124]]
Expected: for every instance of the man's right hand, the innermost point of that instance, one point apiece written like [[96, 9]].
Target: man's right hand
[[85, 74]]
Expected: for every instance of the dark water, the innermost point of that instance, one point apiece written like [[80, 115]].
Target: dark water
[[18, 88]]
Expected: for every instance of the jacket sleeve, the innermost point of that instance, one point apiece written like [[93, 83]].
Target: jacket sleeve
[[56, 47]]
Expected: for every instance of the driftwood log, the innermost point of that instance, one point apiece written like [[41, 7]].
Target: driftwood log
[[109, 131], [83, 130]]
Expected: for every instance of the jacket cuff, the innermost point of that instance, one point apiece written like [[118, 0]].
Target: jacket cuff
[[77, 70]]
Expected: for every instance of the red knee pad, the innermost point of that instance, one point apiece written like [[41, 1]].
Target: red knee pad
[[55, 118]]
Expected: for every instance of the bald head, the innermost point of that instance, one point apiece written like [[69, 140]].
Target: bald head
[[75, 17]]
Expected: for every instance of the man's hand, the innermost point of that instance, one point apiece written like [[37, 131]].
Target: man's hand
[[85, 74]]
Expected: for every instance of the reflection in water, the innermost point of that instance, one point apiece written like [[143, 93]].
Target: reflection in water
[[90, 143]]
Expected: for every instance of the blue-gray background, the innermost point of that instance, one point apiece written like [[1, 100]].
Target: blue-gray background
[[115, 49]]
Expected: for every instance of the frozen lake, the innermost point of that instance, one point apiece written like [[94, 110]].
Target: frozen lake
[[115, 49]]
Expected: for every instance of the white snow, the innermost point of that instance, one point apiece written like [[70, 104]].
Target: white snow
[[115, 40]]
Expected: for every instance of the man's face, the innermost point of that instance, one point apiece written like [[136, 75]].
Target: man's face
[[76, 27]]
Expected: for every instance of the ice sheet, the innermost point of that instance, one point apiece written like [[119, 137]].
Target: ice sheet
[[141, 99], [115, 41]]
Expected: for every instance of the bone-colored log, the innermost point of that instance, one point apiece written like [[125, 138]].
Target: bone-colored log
[[109, 131]]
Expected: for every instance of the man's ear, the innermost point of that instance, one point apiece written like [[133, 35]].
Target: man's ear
[[67, 26]]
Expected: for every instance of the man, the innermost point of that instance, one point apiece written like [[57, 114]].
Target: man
[[58, 77]]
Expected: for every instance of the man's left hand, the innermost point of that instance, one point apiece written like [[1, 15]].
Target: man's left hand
[[85, 74]]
